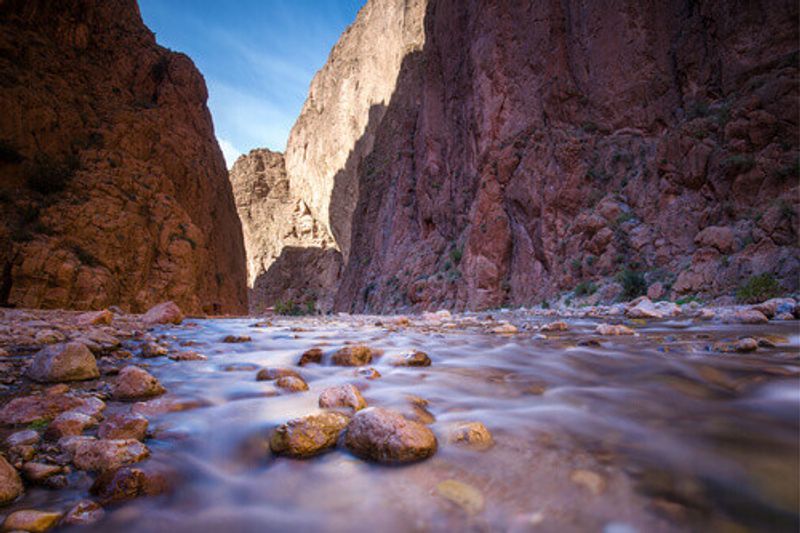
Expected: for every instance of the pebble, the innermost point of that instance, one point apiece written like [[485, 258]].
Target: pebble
[[471, 434]]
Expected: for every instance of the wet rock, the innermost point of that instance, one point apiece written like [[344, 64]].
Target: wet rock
[[467, 497], [505, 329], [342, 396], [153, 349], [748, 316], [96, 318], [613, 329], [589, 480], [38, 472], [775, 306], [21, 438], [163, 313], [309, 435], [414, 358], [291, 384], [386, 436], [471, 434], [31, 520], [129, 482], [644, 308], [106, 454], [84, 513], [123, 426], [234, 339], [785, 316], [555, 326], [10, 482], [188, 356], [352, 356], [171, 404], [314, 355], [27, 409], [68, 424], [239, 367], [368, 373], [747, 344], [49, 336], [135, 383], [19, 454], [71, 361], [271, 374]]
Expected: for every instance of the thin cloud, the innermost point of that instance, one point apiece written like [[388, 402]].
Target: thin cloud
[[230, 152]]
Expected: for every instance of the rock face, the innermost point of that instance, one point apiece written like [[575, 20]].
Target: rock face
[[290, 254], [113, 187], [467, 154]]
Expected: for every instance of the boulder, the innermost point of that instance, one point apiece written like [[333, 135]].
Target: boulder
[[352, 356], [134, 383], [309, 435], [554, 326], [68, 424], [747, 316], [613, 330], [27, 409], [413, 358], [129, 482], [314, 355], [775, 306], [31, 520], [271, 374], [719, 237], [291, 384], [96, 318], [123, 426], [70, 361], [107, 454], [10, 482], [163, 313], [385, 436], [342, 396], [644, 308]]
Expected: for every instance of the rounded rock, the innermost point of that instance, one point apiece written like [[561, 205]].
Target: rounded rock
[[84, 513], [314, 355], [31, 520], [352, 356], [135, 383], [309, 435], [271, 374], [471, 434], [385, 436], [342, 396], [123, 426], [10, 482], [291, 384], [415, 358], [71, 361], [127, 482], [163, 313]]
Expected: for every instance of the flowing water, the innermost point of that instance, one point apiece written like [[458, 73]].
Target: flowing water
[[646, 433]]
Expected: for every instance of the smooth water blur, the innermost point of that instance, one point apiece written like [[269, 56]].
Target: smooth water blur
[[680, 438]]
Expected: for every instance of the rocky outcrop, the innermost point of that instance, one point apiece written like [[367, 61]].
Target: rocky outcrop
[[114, 190], [529, 147], [290, 254]]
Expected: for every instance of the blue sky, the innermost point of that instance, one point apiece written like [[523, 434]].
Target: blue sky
[[257, 56]]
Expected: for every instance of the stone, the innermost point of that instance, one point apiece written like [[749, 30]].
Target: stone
[[96, 318], [21, 438], [27, 409], [170, 404], [163, 313], [129, 482], [385, 436], [135, 383], [472, 435], [368, 373], [719, 237], [291, 384], [505, 329], [309, 435], [84, 513], [613, 329], [465, 496], [273, 373], [352, 356], [314, 355], [413, 358], [123, 426], [554, 326], [107, 454], [38, 472], [31, 520], [656, 291], [235, 339], [644, 308], [49, 336], [187, 356], [10, 482], [747, 344], [71, 361], [342, 396], [775, 306], [153, 349], [748, 316], [589, 480], [68, 424]]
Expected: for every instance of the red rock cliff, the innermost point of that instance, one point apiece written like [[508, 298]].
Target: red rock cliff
[[529, 146], [114, 190]]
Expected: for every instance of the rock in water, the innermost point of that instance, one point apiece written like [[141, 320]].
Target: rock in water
[[352, 356], [163, 313], [133, 383], [63, 362], [10, 482], [132, 198], [342, 396], [309, 435], [84, 513], [123, 426], [129, 482], [106, 454], [31, 520], [471, 434], [386, 436]]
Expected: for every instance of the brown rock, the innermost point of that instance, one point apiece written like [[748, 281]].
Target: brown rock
[[774, 306], [31, 520], [369, 373], [656, 290], [235, 339], [352, 356], [719, 237], [342, 396], [152, 349], [415, 358], [10, 482], [129, 482], [134, 383], [163, 313], [84, 513], [291, 384], [309, 435], [170, 404], [38, 472], [63, 362], [749, 316], [644, 308], [68, 424], [270, 374], [21, 438], [96, 318], [123, 426], [188, 356], [314, 355], [555, 326], [386, 436], [471, 434], [107, 454], [612, 329], [748, 344], [27, 409]]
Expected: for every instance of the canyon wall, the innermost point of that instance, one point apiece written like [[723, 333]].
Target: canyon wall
[[531, 146], [290, 255], [114, 189]]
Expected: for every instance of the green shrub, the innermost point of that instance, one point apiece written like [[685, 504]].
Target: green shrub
[[758, 288], [49, 175], [585, 288], [288, 307], [633, 284], [455, 255]]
